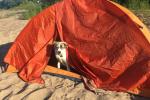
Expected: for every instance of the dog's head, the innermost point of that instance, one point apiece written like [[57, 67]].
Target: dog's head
[[60, 47]]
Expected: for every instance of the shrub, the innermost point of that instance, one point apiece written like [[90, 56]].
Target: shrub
[[33, 7], [135, 4], [6, 4]]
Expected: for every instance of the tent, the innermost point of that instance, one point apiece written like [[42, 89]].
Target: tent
[[108, 45]]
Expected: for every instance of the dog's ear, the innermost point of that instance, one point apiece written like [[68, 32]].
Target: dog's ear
[[65, 44], [55, 42]]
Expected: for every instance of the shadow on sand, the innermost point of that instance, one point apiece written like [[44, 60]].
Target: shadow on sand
[[3, 51], [137, 97]]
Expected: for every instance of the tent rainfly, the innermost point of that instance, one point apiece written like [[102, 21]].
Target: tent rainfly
[[108, 45]]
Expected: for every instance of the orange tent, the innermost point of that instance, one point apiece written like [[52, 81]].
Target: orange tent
[[108, 45]]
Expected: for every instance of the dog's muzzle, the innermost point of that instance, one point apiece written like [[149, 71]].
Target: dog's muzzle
[[59, 53]]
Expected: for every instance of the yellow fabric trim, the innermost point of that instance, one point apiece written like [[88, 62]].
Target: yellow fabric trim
[[144, 29]]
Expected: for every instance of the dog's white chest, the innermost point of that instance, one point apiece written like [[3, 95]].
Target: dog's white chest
[[62, 58], [61, 54]]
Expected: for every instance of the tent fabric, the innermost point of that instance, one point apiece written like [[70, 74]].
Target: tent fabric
[[108, 44]]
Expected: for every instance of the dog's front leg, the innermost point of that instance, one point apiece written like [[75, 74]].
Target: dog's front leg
[[58, 65], [68, 68]]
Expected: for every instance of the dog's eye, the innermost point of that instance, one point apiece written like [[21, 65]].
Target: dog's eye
[[61, 46]]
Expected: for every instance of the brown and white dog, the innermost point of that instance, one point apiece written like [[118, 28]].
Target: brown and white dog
[[60, 49]]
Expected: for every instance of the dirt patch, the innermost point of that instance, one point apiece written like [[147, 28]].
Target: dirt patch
[[10, 25]]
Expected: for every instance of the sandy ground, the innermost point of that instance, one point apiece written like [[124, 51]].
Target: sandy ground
[[10, 26], [56, 87]]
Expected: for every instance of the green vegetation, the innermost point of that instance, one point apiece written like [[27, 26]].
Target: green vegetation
[[135, 4], [32, 7], [6, 4]]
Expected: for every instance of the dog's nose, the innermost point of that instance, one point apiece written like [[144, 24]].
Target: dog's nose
[[58, 52]]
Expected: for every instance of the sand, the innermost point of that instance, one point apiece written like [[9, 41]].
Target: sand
[[56, 87]]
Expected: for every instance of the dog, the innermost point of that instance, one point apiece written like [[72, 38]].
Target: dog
[[60, 49]]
